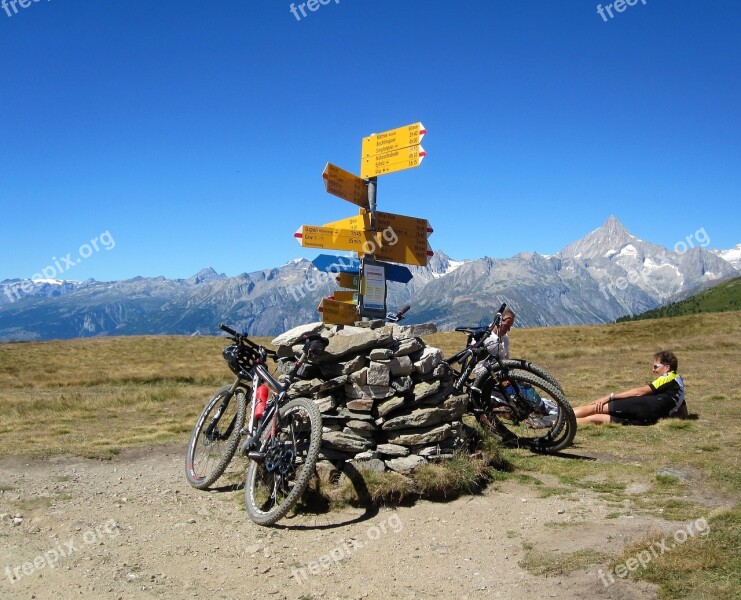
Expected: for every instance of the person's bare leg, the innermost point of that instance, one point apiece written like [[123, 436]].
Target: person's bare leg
[[585, 410], [595, 419]]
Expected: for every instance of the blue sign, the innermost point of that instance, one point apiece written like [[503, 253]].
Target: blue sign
[[343, 264]]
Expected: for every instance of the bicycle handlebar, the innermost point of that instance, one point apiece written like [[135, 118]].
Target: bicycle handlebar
[[242, 338]]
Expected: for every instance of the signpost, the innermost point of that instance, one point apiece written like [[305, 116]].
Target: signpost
[[345, 185], [372, 299], [375, 236], [330, 238], [391, 151], [338, 313], [341, 265], [349, 280], [348, 296]]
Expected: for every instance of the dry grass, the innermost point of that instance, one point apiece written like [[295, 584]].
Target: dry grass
[[94, 397]]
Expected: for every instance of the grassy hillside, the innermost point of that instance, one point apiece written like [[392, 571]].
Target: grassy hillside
[[95, 397], [723, 297]]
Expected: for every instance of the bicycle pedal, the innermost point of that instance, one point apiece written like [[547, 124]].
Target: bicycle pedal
[[256, 456]]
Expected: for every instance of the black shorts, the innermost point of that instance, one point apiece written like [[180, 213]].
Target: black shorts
[[640, 410]]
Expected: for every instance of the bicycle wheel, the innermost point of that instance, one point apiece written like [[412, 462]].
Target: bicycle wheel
[[275, 483], [526, 365], [215, 437], [547, 430]]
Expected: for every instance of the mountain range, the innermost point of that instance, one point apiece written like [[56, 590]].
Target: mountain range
[[605, 275]]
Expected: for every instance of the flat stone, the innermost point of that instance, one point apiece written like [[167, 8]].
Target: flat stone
[[304, 386], [348, 415], [354, 364], [378, 374], [290, 337], [392, 450], [366, 435], [408, 346], [360, 377], [436, 399], [429, 451], [402, 332], [381, 354], [364, 425], [326, 403], [401, 365], [451, 410], [367, 455], [416, 437], [431, 357], [343, 368], [386, 407], [405, 464], [373, 464], [361, 404], [353, 391], [341, 344], [347, 442], [425, 388], [333, 384]]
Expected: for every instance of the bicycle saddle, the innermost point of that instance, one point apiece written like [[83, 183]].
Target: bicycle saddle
[[473, 330]]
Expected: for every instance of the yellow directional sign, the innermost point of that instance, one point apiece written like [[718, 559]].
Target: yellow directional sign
[[414, 253], [345, 185], [396, 160], [359, 222], [403, 225], [346, 296], [338, 313], [395, 139], [330, 238], [348, 280]]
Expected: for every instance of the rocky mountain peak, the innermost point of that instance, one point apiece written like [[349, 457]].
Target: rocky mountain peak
[[206, 275], [607, 239]]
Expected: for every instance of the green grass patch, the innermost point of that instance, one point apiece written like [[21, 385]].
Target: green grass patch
[[544, 564], [699, 566]]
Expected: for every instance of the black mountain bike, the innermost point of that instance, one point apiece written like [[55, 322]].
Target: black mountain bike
[[514, 399], [282, 436]]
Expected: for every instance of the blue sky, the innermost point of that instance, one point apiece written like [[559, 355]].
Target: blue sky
[[195, 133]]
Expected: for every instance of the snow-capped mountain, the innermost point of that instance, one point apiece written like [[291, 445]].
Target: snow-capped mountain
[[732, 256], [605, 275]]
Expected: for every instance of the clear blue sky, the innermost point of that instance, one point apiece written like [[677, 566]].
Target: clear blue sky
[[196, 132]]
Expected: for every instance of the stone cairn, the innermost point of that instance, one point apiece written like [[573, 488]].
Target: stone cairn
[[386, 398]]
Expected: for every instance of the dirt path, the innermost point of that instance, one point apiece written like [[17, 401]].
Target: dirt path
[[133, 528]]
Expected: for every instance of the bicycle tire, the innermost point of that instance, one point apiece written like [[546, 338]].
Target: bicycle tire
[[209, 454], [526, 365], [269, 495], [495, 420]]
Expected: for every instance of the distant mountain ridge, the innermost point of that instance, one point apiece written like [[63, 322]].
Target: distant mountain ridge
[[605, 275], [725, 296]]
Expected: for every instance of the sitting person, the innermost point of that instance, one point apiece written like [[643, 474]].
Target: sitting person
[[663, 397]]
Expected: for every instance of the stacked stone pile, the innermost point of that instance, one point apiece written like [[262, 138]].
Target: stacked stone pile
[[386, 398]]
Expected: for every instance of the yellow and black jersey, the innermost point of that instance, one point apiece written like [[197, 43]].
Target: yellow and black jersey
[[670, 385]]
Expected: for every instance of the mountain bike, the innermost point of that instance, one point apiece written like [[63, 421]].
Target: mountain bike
[[282, 436], [516, 400]]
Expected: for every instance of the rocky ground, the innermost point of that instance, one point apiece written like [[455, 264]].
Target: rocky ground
[[133, 528]]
